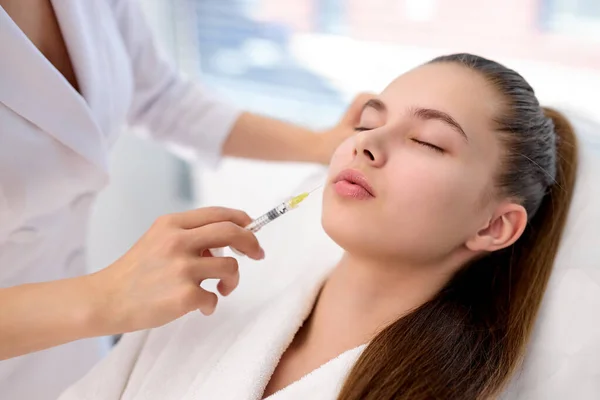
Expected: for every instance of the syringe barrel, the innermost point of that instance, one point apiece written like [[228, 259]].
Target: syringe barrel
[[264, 219]]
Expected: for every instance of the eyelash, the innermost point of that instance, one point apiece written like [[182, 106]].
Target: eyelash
[[429, 145]]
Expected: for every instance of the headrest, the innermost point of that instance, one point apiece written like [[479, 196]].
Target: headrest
[[562, 361]]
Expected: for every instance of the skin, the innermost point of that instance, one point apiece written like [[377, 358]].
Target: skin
[[432, 210], [152, 284]]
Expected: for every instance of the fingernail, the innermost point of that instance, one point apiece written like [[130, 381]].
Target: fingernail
[[261, 254]]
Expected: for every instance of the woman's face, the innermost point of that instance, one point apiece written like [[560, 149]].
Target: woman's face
[[427, 155]]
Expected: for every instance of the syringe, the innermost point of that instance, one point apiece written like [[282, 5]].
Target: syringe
[[278, 211], [271, 215]]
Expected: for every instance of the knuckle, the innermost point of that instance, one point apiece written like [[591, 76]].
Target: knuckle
[[230, 215], [219, 213], [230, 229], [164, 221], [174, 243], [364, 96], [242, 215]]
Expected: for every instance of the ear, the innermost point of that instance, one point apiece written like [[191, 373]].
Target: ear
[[502, 230]]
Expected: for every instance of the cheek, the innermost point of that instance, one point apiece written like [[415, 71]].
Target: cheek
[[420, 184], [430, 184], [428, 208], [417, 199]]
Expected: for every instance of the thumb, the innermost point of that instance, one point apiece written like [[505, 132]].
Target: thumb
[[352, 115]]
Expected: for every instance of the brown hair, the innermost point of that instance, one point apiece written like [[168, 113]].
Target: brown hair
[[467, 341]]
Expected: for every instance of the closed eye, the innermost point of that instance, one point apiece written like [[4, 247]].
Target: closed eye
[[431, 146], [426, 144]]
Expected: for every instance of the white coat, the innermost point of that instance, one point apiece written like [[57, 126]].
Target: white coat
[[54, 147]]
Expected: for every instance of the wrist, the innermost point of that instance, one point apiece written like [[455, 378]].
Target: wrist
[[320, 149], [93, 315]]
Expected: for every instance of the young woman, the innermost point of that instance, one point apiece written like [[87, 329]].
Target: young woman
[[449, 203]]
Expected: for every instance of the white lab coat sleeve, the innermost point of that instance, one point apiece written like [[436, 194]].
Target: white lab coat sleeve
[[108, 379], [170, 108]]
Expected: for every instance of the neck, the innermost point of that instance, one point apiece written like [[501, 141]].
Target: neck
[[361, 297]]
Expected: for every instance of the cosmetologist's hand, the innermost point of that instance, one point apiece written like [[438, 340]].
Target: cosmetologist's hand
[[158, 279]]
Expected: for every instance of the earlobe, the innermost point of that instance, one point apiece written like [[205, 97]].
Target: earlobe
[[481, 241], [502, 231]]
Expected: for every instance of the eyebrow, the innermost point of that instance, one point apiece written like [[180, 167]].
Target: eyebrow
[[423, 113]]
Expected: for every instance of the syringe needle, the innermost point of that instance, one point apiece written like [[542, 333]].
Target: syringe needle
[[315, 189]]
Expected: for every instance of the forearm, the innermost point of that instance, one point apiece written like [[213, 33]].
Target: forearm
[[257, 137], [38, 316]]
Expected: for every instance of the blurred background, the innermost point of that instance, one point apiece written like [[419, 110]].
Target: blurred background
[[304, 60]]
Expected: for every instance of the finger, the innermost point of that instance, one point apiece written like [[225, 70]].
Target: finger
[[223, 234], [225, 269], [352, 115], [209, 215], [228, 285], [205, 301]]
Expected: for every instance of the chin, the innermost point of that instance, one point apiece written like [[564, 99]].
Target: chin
[[345, 231], [350, 225]]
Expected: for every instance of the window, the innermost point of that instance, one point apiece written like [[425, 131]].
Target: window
[[572, 17], [238, 50]]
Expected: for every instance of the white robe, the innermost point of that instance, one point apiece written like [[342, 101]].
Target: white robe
[[228, 356]]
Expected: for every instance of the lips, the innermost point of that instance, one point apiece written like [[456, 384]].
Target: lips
[[353, 184]]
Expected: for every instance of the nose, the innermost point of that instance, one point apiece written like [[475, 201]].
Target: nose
[[369, 148]]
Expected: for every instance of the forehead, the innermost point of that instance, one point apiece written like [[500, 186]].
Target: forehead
[[464, 94]]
